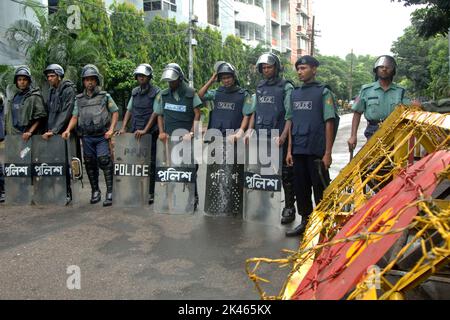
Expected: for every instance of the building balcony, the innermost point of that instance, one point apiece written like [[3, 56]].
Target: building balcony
[[249, 13], [285, 20], [275, 17]]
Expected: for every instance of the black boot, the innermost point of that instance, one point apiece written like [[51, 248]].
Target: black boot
[[106, 164], [90, 164], [298, 230], [288, 214]]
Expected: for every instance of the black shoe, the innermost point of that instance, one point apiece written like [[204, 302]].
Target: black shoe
[[2, 197], [196, 203], [108, 200], [96, 196], [297, 231], [68, 200], [151, 199], [288, 215]]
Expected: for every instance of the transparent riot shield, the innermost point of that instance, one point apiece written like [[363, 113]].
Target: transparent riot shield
[[18, 187], [49, 170], [262, 181], [223, 192], [131, 170], [175, 178]]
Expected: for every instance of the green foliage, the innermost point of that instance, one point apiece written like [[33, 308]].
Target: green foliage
[[335, 72], [130, 36], [432, 20], [422, 64], [120, 82]]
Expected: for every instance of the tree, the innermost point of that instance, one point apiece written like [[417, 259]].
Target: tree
[[432, 20], [422, 64], [120, 80], [130, 36]]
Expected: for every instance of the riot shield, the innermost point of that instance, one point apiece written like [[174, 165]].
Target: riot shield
[[174, 183], [262, 181], [18, 188], [223, 196], [131, 170], [49, 170]]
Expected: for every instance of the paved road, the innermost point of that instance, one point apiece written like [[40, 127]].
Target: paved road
[[136, 253]]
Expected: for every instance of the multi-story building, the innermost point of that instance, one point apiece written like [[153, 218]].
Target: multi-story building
[[281, 25]]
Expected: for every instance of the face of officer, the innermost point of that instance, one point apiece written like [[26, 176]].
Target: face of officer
[[23, 82], [227, 80], [306, 73], [268, 70], [90, 83], [385, 72], [142, 79], [173, 85], [53, 80]]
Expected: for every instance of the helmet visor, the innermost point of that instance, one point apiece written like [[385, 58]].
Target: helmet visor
[[385, 62], [169, 75], [142, 70], [266, 58]]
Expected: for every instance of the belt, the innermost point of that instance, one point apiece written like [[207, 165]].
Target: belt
[[374, 122]]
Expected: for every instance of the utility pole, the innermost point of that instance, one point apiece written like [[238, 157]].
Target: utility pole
[[312, 35], [350, 84], [191, 40]]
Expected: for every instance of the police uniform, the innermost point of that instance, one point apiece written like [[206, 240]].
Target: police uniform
[[272, 107], [377, 104], [60, 104], [141, 107], [94, 114], [312, 106], [230, 105], [177, 107]]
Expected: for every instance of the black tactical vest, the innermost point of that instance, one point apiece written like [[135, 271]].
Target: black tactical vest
[[93, 115], [178, 114], [55, 103], [227, 112], [143, 108], [308, 127], [270, 112]]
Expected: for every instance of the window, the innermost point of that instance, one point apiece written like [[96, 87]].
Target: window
[[156, 5], [213, 12]]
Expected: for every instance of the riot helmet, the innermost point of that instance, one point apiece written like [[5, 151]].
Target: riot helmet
[[226, 68], [269, 58], [56, 69], [172, 72], [90, 70], [386, 61], [22, 71], [144, 69]]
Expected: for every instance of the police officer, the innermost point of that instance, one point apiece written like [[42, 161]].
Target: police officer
[[2, 137], [178, 107], [96, 114], [143, 119], [271, 106], [60, 103], [26, 112], [377, 99], [232, 105], [314, 125]]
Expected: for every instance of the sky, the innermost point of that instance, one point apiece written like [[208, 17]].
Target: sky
[[366, 26]]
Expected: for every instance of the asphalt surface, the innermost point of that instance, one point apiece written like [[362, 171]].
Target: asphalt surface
[[137, 253]]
